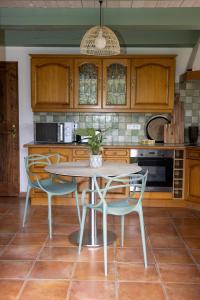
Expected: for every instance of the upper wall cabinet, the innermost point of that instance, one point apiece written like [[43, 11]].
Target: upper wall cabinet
[[87, 83], [51, 83], [116, 82], [120, 84], [102, 83], [152, 84]]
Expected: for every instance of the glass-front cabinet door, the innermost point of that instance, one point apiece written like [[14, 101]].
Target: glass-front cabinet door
[[116, 82], [87, 83]]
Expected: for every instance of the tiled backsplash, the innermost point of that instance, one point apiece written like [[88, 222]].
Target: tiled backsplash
[[117, 122]]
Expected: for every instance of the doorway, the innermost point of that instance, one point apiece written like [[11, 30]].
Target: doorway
[[9, 129]]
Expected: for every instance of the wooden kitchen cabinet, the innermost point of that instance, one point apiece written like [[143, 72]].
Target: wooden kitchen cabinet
[[102, 83], [123, 84], [116, 84], [192, 176], [87, 83], [38, 197], [152, 84], [51, 83], [121, 156]]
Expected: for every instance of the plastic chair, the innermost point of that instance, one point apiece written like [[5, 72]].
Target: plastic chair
[[118, 208], [52, 185]]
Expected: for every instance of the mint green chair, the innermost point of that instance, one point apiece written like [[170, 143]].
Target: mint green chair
[[52, 185], [120, 208]]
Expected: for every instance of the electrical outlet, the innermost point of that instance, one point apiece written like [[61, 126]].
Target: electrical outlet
[[133, 126]]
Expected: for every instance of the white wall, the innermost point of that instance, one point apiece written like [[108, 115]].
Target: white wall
[[21, 54]]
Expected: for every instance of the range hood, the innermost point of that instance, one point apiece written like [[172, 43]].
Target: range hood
[[193, 66]]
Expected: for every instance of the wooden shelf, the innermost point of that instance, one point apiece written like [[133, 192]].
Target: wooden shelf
[[190, 75]]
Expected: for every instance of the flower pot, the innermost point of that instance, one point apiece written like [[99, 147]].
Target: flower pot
[[95, 161]]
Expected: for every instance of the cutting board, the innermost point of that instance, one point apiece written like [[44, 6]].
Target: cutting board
[[174, 132]]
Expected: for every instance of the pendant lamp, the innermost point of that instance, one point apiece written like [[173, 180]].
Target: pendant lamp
[[100, 40]]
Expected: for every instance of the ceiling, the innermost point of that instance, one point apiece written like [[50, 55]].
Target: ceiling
[[137, 23], [94, 3]]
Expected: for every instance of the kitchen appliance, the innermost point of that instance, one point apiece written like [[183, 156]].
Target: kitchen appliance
[[61, 132], [159, 163]]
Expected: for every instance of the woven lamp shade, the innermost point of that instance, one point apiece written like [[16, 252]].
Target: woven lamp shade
[[88, 42]]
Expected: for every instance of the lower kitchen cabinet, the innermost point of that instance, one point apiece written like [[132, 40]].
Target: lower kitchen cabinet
[[192, 178], [38, 197]]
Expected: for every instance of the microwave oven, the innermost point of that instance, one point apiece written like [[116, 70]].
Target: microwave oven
[[61, 132]]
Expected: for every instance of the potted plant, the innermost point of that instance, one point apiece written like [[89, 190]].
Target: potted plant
[[94, 144]]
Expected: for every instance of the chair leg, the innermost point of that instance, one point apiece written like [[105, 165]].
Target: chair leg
[[84, 212], [105, 243], [26, 204], [49, 216], [78, 208], [140, 212], [122, 231]]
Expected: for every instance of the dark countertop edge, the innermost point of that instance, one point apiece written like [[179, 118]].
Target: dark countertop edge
[[115, 145]]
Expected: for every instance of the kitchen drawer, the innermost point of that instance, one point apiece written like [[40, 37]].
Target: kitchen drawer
[[80, 153], [193, 154], [65, 155], [116, 152]]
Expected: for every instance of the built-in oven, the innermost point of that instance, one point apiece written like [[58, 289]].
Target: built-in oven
[[159, 164]]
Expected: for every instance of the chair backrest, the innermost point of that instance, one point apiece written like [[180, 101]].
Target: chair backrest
[[38, 160], [136, 181]]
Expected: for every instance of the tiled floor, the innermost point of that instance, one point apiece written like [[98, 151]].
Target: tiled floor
[[34, 267]]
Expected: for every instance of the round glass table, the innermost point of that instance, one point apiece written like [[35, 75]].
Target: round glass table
[[92, 237]]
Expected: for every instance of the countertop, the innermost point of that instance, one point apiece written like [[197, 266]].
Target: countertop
[[118, 145]]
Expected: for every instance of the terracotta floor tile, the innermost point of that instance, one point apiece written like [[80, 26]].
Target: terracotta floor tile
[[45, 290], [3, 210], [140, 291], [183, 291], [193, 243], [196, 255], [14, 269], [90, 290], [180, 273], [59, 219], [5, 238], [60, 253], [156, 212], [160, 241], [133, 255], [20, 252], [64, 229], [181, 213], [187, 221], [172, 256], [130, 220], [157, 220], [162, 229], [93, 271], [133, 242], [29, 239], [35, 228], [136, 272], [59, 241], [8, 228], [96, 254], [52, 270], [188, 230], [2, 248], [129, 232], [10, 289]]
